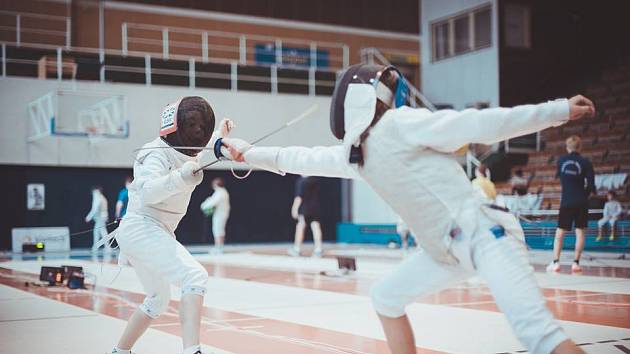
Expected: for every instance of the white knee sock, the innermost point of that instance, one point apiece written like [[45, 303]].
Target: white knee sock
[[193, 350]]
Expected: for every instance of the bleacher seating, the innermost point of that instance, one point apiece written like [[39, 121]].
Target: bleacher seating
[[605, 139]]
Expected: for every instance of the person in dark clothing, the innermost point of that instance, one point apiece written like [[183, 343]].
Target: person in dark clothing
[[306, 210], [578, 182], [519, 183]]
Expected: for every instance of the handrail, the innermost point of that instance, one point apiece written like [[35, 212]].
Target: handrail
[[544, 212], [19, 29], [35, 15], [240, 47], [233, 76], [208, 75], [234, 35], [471, 161]]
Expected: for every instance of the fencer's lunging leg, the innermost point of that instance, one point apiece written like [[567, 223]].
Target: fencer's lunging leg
[[399, 334], [155, 304], [401, 287], [503, 263], [136, 326], [190, 318]]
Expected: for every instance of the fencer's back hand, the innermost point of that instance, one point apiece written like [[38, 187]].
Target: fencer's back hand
[[579, 107], [187, 171], [225, 127], [237, 148]]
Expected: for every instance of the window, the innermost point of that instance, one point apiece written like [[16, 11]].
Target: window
[[462, 33], [483, 30], [440, 39]]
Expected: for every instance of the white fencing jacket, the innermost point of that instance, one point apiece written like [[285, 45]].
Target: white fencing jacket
[[158, 190], [220, 200], [99, 212], [409, 162]]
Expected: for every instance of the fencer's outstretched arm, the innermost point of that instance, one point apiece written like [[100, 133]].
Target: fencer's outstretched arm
[[449, 130], [324, 161]]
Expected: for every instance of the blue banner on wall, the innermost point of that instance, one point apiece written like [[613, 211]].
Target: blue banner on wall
[[265, 54]]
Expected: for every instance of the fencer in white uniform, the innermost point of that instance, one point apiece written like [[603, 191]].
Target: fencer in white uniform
[[407, 156], [159, 195], [219, 203], [99, 214]]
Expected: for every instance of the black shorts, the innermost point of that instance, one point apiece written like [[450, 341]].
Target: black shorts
[[573, 215], [308, 219]]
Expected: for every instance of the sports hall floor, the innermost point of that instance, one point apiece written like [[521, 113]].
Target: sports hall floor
[[262, 301]]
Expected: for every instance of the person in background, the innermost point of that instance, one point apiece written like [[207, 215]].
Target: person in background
[[519, 183], [578, 182], [612, 212], [403, 230], [218, 205], [483, 184], [123, 199], [99, 215], [306, 210]]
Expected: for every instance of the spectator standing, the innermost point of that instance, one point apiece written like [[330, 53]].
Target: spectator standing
[[99, 214], [306, 210], [403, 230], [123, 199], [578, 182], [218, 205]]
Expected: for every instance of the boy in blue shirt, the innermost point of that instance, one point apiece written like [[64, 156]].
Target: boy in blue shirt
[[123, 199], [578, 182]]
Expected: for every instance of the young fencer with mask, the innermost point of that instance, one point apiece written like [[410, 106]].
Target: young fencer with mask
[[164, 180], [407, 156]]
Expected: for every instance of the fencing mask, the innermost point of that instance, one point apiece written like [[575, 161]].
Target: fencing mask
[[355, 96], [187, 122]]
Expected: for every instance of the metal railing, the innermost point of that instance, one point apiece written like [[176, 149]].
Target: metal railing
[[185, 44], [220, 46], [191, 73], [533, 144], [472, 162], [20, 29]]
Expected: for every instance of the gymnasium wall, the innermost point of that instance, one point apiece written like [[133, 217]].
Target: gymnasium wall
[[255, 114], [261, 204], [68, 166], [463, 79]]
